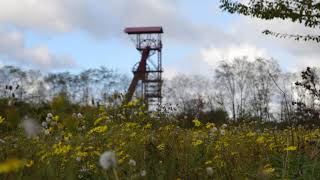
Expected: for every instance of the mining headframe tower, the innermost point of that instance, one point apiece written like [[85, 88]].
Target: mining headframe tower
[[147, 72]]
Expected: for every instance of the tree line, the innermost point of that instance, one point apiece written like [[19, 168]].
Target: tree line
[[241, 88]]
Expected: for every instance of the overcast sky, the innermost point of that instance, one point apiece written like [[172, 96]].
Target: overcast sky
[[55, 35]]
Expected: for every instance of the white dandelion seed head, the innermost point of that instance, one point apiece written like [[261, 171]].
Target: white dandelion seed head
[[49, 115], [222, 132], [78, 159], [132, 162], [10, 102], [107, 160], [83, 169], [46, 132], [79, 115], [209, 171], [44, 124], [2, 141], [213, 130], [224, 126], [48, 119], [143, 173], [31, 127]]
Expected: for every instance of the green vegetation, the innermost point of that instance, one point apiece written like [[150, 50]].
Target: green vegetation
[[52, 142], [305, 12]]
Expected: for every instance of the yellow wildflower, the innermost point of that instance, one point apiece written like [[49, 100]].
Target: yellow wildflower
[[210, 125], [131, 125], [120, 153], [168, 127], [234, 153], [161, 147], [121, 160], [130, 104], [148, 126], [1, 120], [197, 142], [268, 169], [60, 125], [91, 166], [133, 134], [56, 118], [30, 163], [97, 121], [67, 136], [11, 165], [291, 148], [97, 153], [272, 146], [260, 140], [196, 122], [208, 162], [61, 149], [250, 134], [98, 129], [81, 154]]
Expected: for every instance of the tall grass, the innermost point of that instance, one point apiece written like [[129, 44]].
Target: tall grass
[[152, 146]]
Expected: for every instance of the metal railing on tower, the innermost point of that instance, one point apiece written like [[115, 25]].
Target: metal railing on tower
[[147, 72]]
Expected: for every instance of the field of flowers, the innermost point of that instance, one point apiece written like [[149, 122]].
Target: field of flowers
[[127, 143]]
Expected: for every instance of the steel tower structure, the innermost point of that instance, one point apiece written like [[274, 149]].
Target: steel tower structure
[[147, 72]]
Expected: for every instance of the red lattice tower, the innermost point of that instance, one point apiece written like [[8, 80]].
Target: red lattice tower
[[147, 72]]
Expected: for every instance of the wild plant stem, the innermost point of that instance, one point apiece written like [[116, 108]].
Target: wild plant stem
[[115, 174]]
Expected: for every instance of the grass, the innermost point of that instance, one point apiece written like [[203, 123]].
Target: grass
[[147, 147]]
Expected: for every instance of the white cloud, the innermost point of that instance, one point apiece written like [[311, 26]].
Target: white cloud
[[106, 19], [213, 55], [13, 49], [31, 14], [303, 62], [298, 54], [190, 64], [101, 19]]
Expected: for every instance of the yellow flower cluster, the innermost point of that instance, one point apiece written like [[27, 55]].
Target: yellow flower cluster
[[60, 149], [208, 150], [1, 120], [161, 147], [291, 148], [196, 122], [11, 165], [268, 169], [147, 126], [98, 129], [197, 142], [210, 125]]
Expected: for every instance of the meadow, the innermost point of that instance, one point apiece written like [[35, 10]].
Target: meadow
[[126, 142]]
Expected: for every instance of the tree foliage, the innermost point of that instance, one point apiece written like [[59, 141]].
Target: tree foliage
[[306, 12]]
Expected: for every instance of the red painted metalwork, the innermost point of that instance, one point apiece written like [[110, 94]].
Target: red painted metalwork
[[139, 74], [144, 30], [148, 42]]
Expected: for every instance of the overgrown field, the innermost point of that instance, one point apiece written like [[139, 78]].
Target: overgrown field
[[60, 144]]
